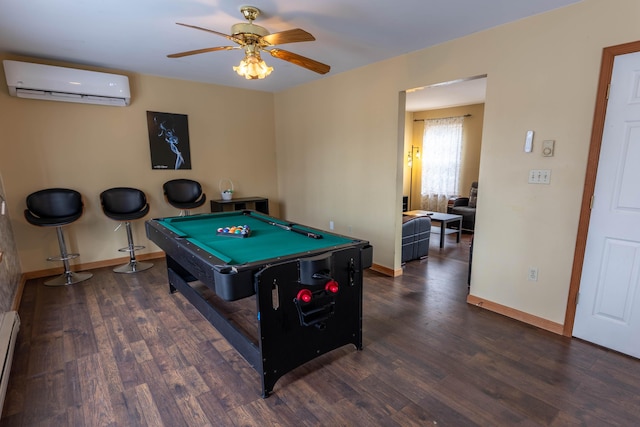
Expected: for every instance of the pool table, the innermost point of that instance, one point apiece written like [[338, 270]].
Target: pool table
[[307, 284]]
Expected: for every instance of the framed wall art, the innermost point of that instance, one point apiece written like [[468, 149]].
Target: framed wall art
[[169, 140]]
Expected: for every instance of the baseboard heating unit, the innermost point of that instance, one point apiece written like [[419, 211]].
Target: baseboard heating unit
[[9, 325]]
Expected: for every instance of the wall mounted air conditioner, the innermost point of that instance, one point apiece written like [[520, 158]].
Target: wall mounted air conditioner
[[48, 82]]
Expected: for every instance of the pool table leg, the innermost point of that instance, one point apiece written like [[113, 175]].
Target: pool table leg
[[173, 265], [287, 341]]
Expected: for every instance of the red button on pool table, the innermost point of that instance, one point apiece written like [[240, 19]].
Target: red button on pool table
[[331, 286], [304, 295]]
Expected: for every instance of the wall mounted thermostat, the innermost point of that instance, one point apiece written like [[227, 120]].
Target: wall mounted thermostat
[[547, 148], [528, 142]]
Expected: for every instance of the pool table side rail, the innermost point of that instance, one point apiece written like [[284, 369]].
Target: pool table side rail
[[202, 265], [267, 240]]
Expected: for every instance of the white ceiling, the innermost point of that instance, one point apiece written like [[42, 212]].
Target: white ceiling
[[136, 35]]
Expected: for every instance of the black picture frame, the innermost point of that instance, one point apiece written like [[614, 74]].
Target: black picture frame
[[169, 140]]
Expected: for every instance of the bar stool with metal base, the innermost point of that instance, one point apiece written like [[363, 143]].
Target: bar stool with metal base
[[126, 204], [57, 207], [184, 194]]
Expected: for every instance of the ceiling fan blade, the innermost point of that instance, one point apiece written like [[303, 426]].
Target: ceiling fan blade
[[197, 51], [300, 60], [226, 36], [289, 36]]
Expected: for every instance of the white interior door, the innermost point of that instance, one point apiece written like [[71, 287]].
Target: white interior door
[[608, 310]]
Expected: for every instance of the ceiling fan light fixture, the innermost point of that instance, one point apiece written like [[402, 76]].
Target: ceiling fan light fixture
[[253, 67], [252, 39]]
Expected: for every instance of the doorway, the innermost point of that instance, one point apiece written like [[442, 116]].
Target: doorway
[[463, 97]]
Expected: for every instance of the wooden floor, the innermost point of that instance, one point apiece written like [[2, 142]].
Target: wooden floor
[[119, 350]]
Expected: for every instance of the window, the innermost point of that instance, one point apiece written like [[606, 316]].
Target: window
[[441, 148]]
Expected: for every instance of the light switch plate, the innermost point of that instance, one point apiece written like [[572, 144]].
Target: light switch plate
[[540, 176]]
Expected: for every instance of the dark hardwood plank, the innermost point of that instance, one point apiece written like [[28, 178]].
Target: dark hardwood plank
[[97, 407], [135, 408], [119, 350], [79, 338], [162, 395], [215, 412]]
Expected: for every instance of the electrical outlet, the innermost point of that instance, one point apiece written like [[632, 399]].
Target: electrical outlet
[[330, 225], [533, 274]]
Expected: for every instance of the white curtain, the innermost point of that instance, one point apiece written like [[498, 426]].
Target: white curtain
[[441, 146]]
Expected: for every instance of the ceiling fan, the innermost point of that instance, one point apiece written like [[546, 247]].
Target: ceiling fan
[[253, 39]]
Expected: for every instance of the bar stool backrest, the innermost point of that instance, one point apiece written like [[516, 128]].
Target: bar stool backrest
[[53, 206], [124, 203], [184, 193]]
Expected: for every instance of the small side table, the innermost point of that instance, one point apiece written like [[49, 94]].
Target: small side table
[[259, 204], [444, 220]]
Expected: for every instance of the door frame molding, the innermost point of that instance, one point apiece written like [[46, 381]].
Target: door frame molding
[[606, 70]]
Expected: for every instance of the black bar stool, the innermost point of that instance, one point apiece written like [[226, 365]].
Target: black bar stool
[[126, 204], [57, 207], [184, 194]]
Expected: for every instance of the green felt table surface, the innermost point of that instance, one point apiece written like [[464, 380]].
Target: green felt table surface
[[265, 242]]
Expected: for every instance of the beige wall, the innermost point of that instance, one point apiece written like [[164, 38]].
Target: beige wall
[[91, 148], [338, 158], [470, 150]]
